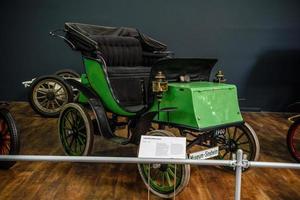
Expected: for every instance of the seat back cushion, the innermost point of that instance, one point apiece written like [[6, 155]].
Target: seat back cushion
[[120, 51]]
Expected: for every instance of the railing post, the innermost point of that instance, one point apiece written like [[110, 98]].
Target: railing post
[[238, 174]]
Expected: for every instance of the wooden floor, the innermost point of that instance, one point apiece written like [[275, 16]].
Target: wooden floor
[[39, 180]]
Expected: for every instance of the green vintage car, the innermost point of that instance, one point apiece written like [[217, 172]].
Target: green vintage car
[[130, 76]]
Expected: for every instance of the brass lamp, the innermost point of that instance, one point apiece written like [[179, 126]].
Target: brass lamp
[[220, 78], [159, 84]]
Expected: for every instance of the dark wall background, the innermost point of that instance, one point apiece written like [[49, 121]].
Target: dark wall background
[[257, 42]]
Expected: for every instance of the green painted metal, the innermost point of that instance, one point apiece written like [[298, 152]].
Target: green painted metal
[[84, 80], [200, 105], [98, 81]]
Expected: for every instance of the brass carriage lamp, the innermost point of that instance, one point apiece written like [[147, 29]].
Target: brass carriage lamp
[[220, 77], [159, 84]]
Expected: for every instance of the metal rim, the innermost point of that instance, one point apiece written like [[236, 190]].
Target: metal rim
[[50, 95], [75, 131], [294, 141], [5, 138]]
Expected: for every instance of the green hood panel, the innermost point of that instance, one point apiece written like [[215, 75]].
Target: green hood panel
[[200, 105]]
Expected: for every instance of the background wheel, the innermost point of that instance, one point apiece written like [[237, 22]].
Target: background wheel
[[233, 138], [293, 140], [48, 94], [67, 73], [162, 175], [76, 131], [9, 138]]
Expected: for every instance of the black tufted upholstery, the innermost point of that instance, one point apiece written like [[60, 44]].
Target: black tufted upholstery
[[120, 51], [124, 60]]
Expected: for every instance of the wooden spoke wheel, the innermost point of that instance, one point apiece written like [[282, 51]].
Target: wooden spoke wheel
[[293, 140], [233, 138], [48, 94], [162, 176], [9, 139], [75, 130]]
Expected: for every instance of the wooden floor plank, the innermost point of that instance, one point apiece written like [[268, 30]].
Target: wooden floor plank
[[45, 180]]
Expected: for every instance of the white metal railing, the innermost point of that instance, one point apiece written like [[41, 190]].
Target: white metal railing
[[238, 163]]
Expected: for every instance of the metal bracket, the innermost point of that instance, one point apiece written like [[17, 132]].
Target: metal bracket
[[28, 83], [244, 164]]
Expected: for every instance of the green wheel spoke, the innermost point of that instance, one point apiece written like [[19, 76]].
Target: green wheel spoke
[[68, 129], [171, 173], [71, 143], [70, 135], [81, 142], [70, 122], [168, 178], [155, 175], [82, 139], [163, 179], [171, 166], [80, 123], [81, 128], [76, 145], [73, 119], [82, 134]]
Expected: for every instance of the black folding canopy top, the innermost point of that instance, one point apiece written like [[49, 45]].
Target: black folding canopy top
[[84, 37], [81, 35]]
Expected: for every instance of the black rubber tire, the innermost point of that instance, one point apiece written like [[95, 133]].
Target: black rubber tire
[[67, 89], [88, 127], [71, 73], [289, 139], [14, 137]]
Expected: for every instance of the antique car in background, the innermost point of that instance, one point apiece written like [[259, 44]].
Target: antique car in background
[[293, 136], [48, 94], [9, 137]]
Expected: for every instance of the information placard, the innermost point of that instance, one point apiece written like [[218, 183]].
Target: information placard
[[162, 147]]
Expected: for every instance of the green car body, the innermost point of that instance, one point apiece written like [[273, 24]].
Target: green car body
[[197, 105]]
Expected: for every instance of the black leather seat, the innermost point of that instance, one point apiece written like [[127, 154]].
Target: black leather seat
[[127, 72]]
